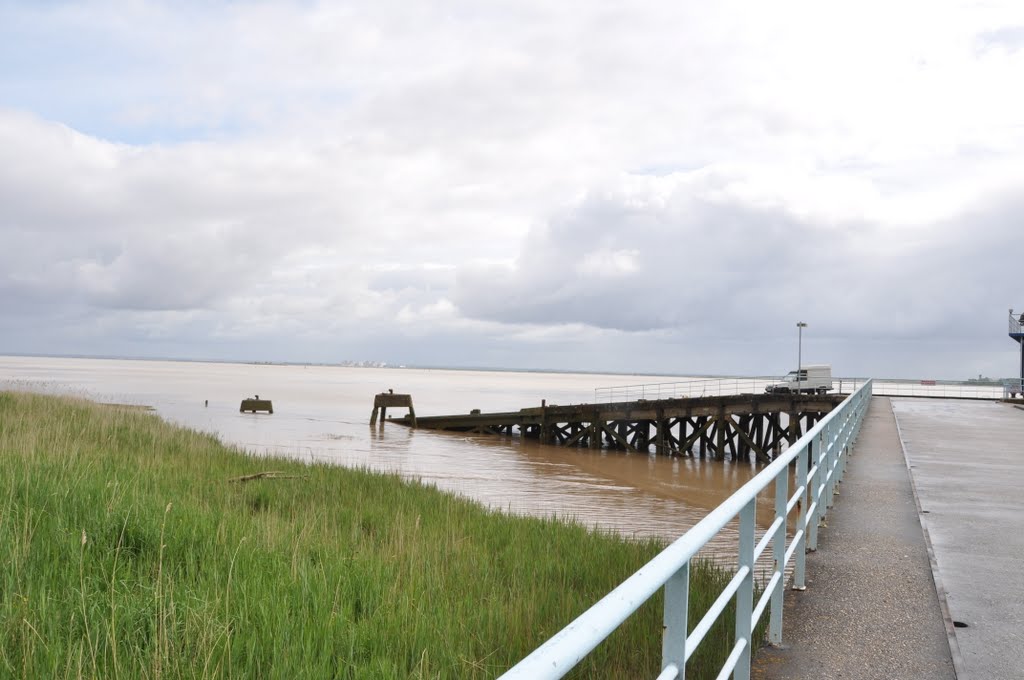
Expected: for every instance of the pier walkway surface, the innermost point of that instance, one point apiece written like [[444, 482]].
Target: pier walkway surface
[[870, 609], [967, 462]]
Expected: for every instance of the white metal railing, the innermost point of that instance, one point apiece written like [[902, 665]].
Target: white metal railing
[[820, 457], [1013, 388], [695, 387], [1015, 323], [941, 389], [892, 387]]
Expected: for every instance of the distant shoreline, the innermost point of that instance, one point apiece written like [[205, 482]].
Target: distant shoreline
[[482, 369], [363, 364]]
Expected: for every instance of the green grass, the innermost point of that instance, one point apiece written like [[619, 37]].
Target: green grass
[[125, 552]]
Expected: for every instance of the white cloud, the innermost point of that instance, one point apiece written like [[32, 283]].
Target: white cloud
[[441, 310], [609, 263], [482, 179]]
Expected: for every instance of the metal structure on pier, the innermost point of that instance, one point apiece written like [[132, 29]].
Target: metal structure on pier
[[1016, 322]]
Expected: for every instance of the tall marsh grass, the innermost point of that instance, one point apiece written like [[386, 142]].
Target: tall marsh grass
[[125, 552]]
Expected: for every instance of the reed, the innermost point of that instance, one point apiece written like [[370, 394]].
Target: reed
[[126, 552]]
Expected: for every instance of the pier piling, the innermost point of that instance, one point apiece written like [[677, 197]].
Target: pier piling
[[736, 427]]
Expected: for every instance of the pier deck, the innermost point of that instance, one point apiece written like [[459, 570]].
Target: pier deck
[[966, 463], [918, 573], [732, 426]]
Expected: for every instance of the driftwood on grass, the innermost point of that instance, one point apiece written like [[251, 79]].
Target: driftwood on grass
[[265, 475]]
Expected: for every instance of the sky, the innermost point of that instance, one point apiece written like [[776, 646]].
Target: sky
[[639, 187]]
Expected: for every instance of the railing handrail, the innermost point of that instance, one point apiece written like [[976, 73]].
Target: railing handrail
[[894, 387], [697, 386], [695, 379], [827, 441]]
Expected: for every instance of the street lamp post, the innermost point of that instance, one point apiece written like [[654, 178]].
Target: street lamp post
[[800, 326]]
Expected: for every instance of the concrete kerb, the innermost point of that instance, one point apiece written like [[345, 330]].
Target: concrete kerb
[[954, 646]]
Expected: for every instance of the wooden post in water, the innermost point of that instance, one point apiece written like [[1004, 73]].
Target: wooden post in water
[[702, 447], [660, 425], [794, 427], [744, 426], [545, 427], [720, 439]]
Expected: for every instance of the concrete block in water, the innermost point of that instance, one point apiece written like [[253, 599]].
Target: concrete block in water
[[254, 405]]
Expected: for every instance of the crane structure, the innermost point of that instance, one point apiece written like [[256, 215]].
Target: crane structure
[[1017, 333]]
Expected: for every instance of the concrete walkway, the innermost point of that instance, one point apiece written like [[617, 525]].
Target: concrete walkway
[[967, 461], [870, 609]]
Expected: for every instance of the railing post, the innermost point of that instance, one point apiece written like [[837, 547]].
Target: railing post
[[815, 498], [677, 603], [800, 553], [745, 594], [833, 459], [779, 554], [842, 434], [812, 491]]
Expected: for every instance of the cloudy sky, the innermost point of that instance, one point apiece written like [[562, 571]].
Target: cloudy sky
[[637, 186]]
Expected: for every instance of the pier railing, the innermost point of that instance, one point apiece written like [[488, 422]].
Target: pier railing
[[820, 457], [695, 387], [713, 387], [1013, 388], [936, 389]]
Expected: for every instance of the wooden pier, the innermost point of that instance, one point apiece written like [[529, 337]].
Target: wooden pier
[[735, 427]]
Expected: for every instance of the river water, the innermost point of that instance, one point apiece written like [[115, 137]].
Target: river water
[[322, 413]]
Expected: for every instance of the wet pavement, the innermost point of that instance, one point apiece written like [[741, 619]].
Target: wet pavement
[[967, 461], [871, 609]]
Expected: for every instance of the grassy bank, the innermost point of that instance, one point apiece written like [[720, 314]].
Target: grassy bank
[[125, 551]]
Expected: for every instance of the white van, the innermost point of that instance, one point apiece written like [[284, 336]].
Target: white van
[[812, 378]]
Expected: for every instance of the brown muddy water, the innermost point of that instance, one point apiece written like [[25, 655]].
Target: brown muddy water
[[322, 413]]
